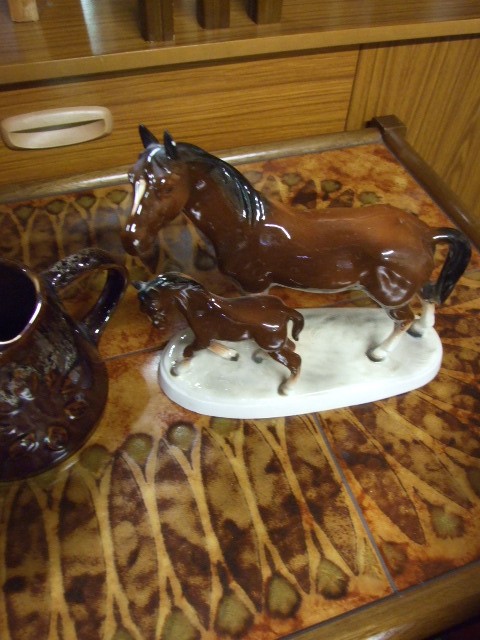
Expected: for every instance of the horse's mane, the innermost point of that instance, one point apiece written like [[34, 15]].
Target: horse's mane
[[245, 197]]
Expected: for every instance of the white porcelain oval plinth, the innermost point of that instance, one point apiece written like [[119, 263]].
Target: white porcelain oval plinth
[[336, 371]]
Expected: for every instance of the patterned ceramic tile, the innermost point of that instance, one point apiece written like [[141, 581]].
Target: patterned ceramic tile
[[170, 524], [349, 177], [413, 461]]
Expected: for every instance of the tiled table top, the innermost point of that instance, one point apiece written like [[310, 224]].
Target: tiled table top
[[172, 525]]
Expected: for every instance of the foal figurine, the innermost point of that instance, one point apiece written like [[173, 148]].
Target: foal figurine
[[262, 318]]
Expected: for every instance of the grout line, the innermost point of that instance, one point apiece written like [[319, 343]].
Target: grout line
[[128, 354], [355, 503]]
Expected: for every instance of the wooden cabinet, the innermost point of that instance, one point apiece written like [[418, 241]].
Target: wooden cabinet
[[325, 67], [433, 86], [224, 105]]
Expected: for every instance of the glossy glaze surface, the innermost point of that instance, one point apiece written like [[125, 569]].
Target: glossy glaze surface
[[258, 242], [169, 524], [53, 384], [262, 319]]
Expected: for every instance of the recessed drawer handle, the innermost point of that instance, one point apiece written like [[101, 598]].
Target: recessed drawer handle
[[56, 127]]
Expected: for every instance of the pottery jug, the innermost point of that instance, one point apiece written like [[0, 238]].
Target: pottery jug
[[53, 384]]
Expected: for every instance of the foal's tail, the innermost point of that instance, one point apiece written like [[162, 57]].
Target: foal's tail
[[298, 322], [458, 257]]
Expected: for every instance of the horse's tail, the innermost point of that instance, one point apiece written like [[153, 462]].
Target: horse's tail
[[458, 257], [298, 322]]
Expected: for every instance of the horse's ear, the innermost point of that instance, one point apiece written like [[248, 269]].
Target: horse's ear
[[147, 136], [170, 146]]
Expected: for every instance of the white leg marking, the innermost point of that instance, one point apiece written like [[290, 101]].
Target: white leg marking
[[379, 353], [426, 320], [223, 351], [288, 384]]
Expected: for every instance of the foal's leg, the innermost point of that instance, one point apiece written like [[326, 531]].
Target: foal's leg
[[293, 362], [183, 365], [224, 352], [403, 319], [260, 354]]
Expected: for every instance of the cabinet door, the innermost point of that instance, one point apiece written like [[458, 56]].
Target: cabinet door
[[434, 88], [217, 106]]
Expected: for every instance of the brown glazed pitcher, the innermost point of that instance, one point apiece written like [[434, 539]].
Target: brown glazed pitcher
[[53, 384]]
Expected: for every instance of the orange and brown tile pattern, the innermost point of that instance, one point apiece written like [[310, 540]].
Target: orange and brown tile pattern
[[174, 526]]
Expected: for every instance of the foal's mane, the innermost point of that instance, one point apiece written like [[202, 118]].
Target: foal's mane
[[246, 199]]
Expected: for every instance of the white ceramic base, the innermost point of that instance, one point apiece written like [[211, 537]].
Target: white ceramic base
[[335, 370]]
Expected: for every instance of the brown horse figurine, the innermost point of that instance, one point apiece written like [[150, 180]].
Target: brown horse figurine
[[263, 319], [382, 250]]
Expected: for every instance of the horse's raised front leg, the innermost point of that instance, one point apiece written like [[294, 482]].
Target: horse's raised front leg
[[403, 319], [293, 362]]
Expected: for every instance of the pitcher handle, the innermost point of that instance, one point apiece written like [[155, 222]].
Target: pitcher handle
[[65, 271]]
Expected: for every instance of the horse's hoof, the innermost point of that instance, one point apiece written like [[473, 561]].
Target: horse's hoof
[[376, 355], [286, 388], [235, 358], [258, 356], [415, 332], [180, 367]]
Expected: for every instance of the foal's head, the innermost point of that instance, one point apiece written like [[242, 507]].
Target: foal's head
[[157, 297]]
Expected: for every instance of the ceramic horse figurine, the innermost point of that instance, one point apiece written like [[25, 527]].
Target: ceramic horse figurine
[[262, 318], [382, 250]]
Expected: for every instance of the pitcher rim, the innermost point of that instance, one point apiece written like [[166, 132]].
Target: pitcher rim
[[38, 305]]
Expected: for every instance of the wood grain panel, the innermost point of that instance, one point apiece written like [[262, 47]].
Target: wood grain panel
[[434, 88], [23, 10], [105, 37], [217, 107]]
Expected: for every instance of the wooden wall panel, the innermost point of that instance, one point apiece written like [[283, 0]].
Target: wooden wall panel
[[217, 107], [434, 88]]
